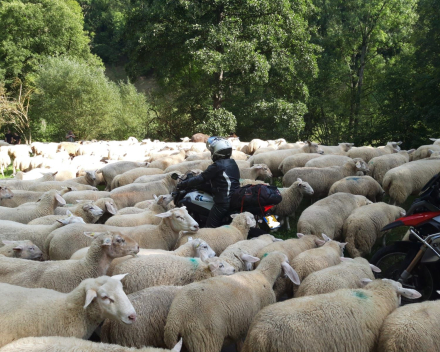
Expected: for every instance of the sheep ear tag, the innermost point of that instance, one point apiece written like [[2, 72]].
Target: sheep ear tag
[[91, 294]]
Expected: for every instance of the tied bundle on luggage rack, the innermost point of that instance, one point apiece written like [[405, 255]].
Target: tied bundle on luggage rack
[[254, 197]]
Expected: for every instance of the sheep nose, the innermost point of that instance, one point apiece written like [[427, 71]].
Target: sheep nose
[[196, 227], [132, 317], [233, 270]]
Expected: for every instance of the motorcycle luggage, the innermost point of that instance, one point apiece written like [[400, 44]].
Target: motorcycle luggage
[[251, 196]]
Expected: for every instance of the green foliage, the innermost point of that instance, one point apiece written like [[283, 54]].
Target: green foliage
[[32, 30], [223, 54], [72, 95], [218, 122]]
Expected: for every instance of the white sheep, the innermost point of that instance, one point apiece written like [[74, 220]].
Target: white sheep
[[341, 149], [316, 259], [380, 165], [162, 269], [62, 244], [172, 159], [59, 185], [256, 172], [152, 306], [129, 195], [413, 327], [409, 178], [329, 214], [65, 275], [221, 237], [425, 151], [72, 344], [111, 170], [321, 179], [41, 312], [347, 274], [361, 185], [5, 161], [364, 226], [25, 185], [131, 175], [291, 248], [14, 231], [296, 160], [273, 159], [148, 216], [189, 165], [291, 199], [219, 310], [435, 140], [73, 196], [242, 254], [328, 160], [344, 320], [26, 213], [368, 153], [21, 249], [5, 194]]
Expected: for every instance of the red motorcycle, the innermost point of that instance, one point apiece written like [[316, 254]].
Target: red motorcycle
[[416, 263]]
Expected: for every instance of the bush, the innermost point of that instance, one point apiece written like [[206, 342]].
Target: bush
[[72, 95], [220, 122]]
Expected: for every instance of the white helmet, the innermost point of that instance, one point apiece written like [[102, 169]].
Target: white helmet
[[220, 148]]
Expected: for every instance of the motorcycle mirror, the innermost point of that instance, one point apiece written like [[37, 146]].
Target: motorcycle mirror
[[175, 176]]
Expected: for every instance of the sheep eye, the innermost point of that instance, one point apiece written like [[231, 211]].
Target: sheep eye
[[205, 247], [221, 266], [32, 248]]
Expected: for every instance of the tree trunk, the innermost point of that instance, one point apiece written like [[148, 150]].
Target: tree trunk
[[360, 83]]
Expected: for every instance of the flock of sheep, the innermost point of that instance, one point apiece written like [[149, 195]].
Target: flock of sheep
[[128, 267]]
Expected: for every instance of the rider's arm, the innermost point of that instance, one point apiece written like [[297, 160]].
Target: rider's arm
[[207, 175]]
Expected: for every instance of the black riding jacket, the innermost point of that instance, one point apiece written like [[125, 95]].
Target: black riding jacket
[[224, 176]]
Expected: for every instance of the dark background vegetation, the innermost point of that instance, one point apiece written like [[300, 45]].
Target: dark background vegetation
[[328, 70]]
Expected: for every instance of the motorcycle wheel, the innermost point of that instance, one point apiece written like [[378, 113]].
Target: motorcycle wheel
[[423, 279]]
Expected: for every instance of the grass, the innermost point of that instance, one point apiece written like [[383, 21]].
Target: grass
[[8, 173], [392, 236]]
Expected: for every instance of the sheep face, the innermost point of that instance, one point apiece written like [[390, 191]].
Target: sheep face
[[5, 193], [120, 245], [180, 220], [304, 187], [92, 209], [218, 267], [111, 298], [203, 250], [263, 171], [400, 291], [25, 250], [346, 146]]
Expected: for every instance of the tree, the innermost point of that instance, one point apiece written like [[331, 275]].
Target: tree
[[360, 40], [72, 95], [15, 110], [219, 54], [32, 30]]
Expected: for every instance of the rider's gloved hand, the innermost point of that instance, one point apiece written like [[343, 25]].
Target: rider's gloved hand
[[182, 185]]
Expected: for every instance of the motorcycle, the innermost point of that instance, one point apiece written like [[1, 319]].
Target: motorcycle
[[415, 263], [199, 202]]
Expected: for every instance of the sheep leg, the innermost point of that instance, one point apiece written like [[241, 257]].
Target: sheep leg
[[239, 345], [288, 222]]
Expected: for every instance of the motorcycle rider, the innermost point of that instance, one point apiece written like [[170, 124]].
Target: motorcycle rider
[[223, 175]]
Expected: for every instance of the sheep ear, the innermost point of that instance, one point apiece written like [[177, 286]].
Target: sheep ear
[[409, 293], [342, 245], [119, 277], [248, 258], [91, 294], [155, 197], [164, 215], [213, 266], [365, 281], [326, 238], [60, 199], [69, 213], [299, 180], [358, 164], [290, 273], [190, 239], [78, 201], [433, 139], [399, 143], [159, 200], [411, 151], [18, 248], [375, 269], [309, 143], [300, 235], [343, 259], [233, 215], [249, 220], [110, 208], [63, 221], [6, 242], [178, 346], [319, 242]]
